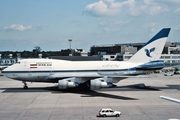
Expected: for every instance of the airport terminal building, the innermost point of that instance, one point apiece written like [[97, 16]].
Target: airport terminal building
[[121, 52], [131, 48]]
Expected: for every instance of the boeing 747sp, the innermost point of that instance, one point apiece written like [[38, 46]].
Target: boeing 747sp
[[96, 74]]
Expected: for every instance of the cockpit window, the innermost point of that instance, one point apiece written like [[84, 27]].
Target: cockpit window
[[18, 62]]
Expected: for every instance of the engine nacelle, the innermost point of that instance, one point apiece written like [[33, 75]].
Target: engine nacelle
[[99, 83], [67, 83]]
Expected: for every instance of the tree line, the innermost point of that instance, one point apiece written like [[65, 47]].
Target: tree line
[[35, 53]]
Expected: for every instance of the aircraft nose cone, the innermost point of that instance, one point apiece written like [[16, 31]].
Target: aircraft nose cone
[[3, 72], [6, 73]]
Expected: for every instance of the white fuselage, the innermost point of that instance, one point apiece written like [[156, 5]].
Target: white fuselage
[[41, 70]]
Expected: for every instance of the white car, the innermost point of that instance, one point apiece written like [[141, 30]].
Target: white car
[[168, 73], [109, 112]]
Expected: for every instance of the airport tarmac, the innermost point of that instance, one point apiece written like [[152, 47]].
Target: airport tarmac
[[43, 101]]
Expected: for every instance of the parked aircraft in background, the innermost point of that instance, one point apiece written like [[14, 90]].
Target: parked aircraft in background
[[95, 74]]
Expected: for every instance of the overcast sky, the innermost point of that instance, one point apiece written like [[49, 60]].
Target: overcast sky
[[49, 24]]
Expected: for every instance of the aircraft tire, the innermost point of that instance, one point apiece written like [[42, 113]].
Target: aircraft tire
[[25, 87]]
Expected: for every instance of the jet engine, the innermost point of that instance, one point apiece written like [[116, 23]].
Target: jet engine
[[67, 83], [99, 83]]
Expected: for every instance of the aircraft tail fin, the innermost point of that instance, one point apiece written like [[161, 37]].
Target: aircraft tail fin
[[152, 50]]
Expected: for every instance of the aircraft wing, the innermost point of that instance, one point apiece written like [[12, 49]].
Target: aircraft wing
[[115, 75], [99, 75]]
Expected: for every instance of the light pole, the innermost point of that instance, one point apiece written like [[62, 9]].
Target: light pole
[[70, 40]]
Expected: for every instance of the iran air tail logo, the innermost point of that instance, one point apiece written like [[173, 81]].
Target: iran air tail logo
[[148, 52]]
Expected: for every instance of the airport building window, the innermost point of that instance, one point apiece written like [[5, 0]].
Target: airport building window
[[167, 57], [168, 61], [162, 57], [175, 57], [174, 61]]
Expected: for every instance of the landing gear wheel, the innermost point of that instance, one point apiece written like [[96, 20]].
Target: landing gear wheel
[[25, 87]]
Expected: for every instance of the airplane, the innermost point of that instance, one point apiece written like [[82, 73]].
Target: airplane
[[95, 74]]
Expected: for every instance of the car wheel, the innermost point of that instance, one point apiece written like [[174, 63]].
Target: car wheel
[[117, 115], [104, 115]]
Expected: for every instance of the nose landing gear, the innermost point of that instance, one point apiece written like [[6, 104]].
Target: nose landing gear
[[25, 85]]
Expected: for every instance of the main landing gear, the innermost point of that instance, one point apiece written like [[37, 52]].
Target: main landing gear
[[25, 85]]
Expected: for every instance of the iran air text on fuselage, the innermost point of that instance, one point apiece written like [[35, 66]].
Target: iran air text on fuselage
[[97, 74]]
